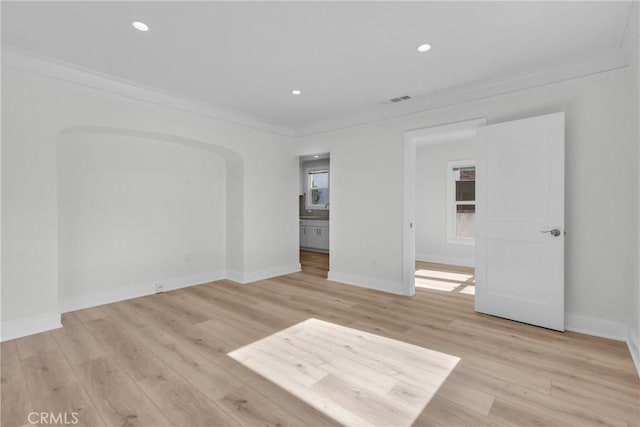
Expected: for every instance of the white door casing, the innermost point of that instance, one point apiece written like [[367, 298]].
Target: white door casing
[[434, 135], [519, 201]]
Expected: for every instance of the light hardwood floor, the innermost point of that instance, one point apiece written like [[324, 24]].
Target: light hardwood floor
[[443, 277], [162, 360], [315, 263], [355, 377]]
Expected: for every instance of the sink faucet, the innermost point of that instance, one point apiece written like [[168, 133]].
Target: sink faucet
[[326, 206]]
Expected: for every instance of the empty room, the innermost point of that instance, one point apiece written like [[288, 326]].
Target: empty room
[[309, 213]]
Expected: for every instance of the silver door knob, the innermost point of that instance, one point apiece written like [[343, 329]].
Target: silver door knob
[[554, 232]]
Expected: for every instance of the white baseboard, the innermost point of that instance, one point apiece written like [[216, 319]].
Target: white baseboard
[[267, 273], [36, 324], [464, 262], [80, 302], [596, 327], [32, 325], [634, 348], [378, 284], [234, 276]]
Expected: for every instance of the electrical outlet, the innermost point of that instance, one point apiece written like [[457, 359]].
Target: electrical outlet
[[159, 287], [374, 261]]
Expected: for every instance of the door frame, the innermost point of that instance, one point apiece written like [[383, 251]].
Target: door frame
[[432, 135], [325, 154]]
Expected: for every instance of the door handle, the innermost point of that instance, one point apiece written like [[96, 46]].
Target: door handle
[[554, 232]]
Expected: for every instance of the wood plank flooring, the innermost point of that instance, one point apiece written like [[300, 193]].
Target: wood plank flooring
[[315, 263], [444, 277], [162, 360], [357, 378]]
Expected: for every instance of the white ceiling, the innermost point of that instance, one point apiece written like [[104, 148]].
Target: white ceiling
[[346, 57]]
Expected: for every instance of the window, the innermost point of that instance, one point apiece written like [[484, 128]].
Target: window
[[318, 189], [461, 204]]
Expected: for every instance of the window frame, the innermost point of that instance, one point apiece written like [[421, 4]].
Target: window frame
[[308, 202], [452, 203]]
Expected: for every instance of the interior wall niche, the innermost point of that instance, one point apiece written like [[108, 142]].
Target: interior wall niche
[[138, 209]]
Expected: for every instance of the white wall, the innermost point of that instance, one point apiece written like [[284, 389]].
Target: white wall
[[431, 203], [265, 231], [632, 46], [135, 211], [601, 188]]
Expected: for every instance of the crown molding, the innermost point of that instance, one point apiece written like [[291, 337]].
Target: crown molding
[[584, 67], [52, 68], [30, 62]]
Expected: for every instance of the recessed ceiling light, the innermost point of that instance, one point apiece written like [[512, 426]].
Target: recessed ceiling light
[[424, 47], [296, 92], [316, 156], [140, 26]]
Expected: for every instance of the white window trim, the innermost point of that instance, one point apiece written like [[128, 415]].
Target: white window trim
[[452, 239], [308, 203]]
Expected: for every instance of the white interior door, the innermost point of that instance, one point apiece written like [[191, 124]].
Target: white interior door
[[520, 221]]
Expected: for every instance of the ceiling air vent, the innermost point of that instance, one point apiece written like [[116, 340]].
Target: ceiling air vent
[[399, 99]]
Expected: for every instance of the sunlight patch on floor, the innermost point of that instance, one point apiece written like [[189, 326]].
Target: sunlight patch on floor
[[445, 281], [355, 377], [446, 275], [438, 285], [469, 290]]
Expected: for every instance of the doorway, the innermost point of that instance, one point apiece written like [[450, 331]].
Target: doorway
[[519, 234], [445, 214], [314, 207], [422, 138]]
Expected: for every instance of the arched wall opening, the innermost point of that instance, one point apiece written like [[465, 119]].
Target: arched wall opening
[[137, 209]]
